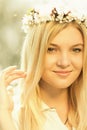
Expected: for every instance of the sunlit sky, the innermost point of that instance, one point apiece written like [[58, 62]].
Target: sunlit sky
[[73, 2], [80, 5]]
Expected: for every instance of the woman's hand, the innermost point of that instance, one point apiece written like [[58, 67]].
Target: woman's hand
[[6, 77]]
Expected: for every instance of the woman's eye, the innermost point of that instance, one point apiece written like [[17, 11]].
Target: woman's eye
[[50, 49], [77, 50]]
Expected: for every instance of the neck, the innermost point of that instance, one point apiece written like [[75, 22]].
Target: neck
[[52, 95], [56, 98]]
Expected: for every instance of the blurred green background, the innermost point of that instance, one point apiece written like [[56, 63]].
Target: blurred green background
[[11, 34]]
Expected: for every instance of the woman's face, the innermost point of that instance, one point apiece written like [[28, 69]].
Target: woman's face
[[63, 61]]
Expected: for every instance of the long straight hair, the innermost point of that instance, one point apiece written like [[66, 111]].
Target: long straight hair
[[32, 62]]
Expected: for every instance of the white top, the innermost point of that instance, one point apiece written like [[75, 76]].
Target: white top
[[53, 122]]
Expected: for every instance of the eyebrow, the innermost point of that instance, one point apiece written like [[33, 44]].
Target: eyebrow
[[78, 44]]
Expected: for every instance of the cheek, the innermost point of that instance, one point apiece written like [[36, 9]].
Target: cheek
[[78, 63], [49, 61]]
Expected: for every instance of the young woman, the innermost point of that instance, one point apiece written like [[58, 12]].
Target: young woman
[[54, 69]]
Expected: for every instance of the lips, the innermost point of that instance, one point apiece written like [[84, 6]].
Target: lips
[[62, 73]]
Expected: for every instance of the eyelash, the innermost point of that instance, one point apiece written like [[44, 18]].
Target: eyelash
[[77, 50], [50, 49]]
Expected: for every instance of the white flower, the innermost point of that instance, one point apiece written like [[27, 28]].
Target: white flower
[[46, 14]]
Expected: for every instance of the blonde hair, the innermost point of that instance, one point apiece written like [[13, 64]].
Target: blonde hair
[[32, 61]]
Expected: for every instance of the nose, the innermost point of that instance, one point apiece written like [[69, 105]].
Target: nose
[[63, 60]]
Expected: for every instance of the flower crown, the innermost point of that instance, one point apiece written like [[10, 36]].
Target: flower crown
[[33, 17]]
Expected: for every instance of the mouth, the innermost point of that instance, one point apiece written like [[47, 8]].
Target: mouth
[[63, 73]]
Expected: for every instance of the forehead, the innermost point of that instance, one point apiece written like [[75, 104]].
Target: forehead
[[70, 35]]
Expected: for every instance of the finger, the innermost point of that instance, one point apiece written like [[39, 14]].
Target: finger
[[8, 70], [14, 77], [10, 74], [10, 96], [16, 72]]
